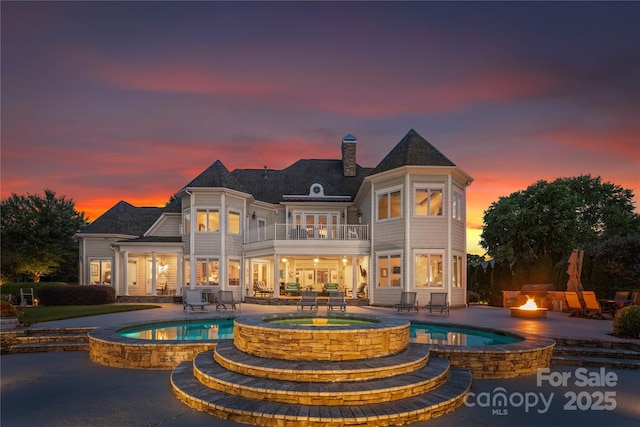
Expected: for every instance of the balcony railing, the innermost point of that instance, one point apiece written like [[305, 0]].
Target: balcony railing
[[320, 232]]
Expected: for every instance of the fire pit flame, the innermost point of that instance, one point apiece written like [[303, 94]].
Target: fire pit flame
[[529, 305]]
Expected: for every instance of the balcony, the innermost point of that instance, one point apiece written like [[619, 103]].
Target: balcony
[[297, 233]]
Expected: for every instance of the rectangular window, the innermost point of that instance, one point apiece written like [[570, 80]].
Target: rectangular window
[[207, 271], [428, 202], [457, 206], [208, 220], [457, 271], [100, 272], [428, 270], [389, 205], [389, 271], [187, 221], [234, 272], [233, 219]]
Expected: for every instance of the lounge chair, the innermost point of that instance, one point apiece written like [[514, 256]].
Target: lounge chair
[[225, 298], [260, 288], [308, 299], [336, 299], [439, 302], [329, 287], [407, 302], [574, 305], [193, 300], [292, 288], [592, 306]]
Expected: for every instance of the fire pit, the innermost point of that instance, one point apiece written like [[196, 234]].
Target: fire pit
[[530, 310]]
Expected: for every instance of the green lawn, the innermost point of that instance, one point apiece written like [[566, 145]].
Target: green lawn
[[48, 313]]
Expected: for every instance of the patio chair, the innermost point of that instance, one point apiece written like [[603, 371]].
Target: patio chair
[[360, 291], [193, 300], [308, 299], [336, 299], [225, 298], [292, 288], [573, 304], [438, 301], [592, 306], [329, 287], [260, 287], [407, 302], [636, 298]]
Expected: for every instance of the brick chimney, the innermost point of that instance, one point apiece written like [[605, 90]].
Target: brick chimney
[[349, 155]]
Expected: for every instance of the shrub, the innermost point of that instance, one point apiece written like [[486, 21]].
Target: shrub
[[9, 310], [76, 295], [626, 322], [473, 297], [13, 288]]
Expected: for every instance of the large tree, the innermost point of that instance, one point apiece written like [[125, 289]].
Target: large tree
[[37, 234], [549, 219]]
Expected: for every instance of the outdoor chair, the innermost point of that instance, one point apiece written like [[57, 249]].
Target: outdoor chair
[[329, 287], [336, 300], [360, 291], [592, 306], [292, 288], [193, 300], [308, 299], [573, 304], [260, 288], [225, 298], [438, 301], [407, 302], [27, 297]]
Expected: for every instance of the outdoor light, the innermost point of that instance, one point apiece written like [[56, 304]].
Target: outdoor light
[[284, 260], [359, 213], [253, 215]]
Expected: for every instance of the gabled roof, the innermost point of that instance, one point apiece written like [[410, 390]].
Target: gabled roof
[[217, 176], [124, 219], [412, 150]]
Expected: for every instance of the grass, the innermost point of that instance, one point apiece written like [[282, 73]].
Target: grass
[[39, 314]]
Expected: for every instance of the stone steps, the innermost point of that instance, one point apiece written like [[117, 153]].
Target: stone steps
[[592, 353], [427, 378], [410, 360], [43, 340], [420, 407]]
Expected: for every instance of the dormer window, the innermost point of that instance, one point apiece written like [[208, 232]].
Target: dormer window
[[316, 191]]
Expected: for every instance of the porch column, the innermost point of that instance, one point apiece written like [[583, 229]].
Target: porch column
[[178, 273], [125, 272], [276, 276], [354, 278], [115, 273], [154, 274]]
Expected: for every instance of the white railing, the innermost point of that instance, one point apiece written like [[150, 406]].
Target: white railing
[[293, 232]]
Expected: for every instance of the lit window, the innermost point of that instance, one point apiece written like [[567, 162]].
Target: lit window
[[428, 270], [208, 220], [234, 223], [234, 272], [207, 271], [389, 271], [428, 202], [457, 271], [389, 205], [100, 272]]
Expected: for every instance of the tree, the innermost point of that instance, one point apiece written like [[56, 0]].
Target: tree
[[37, 234], [552, 219], [620, 258]]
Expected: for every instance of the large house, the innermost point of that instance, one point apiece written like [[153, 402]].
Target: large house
[[374, 232]]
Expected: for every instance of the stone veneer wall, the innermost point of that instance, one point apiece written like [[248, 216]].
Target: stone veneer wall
[[120, 354], [296, 342]]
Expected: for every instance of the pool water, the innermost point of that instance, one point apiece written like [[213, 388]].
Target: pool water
[[206, 329], [448, 335], [222, 329]]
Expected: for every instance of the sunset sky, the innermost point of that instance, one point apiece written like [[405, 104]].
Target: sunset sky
[[110, 101]]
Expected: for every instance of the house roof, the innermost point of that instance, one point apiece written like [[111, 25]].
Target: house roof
[[124, 218], [412, 150], [269, 185]]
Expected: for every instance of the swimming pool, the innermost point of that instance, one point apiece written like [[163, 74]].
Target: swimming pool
[[222, 329]]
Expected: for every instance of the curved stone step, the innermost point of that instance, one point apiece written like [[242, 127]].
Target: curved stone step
[[410, 360], [212, 375], [446, 398]]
